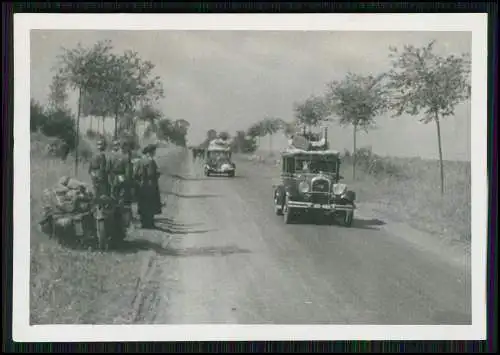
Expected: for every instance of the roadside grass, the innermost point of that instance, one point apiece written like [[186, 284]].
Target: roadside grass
[[415, 198], [408, 190], [70, 286]]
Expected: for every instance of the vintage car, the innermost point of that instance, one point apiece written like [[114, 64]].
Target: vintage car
[[218, 160], [309, 184]]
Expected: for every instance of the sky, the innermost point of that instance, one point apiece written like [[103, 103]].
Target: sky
[[228, 80]]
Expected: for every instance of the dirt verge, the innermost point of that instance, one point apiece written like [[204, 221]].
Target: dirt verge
[[90, 287]]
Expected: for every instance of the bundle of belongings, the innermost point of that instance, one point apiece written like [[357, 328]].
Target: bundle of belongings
[[67, 197], [302, 143]]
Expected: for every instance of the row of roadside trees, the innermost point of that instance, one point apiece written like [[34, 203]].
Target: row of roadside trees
[[108, 84], [419, 83]]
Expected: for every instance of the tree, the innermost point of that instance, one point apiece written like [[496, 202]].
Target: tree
[[211, 134], [151, 116], [224, 135], [172, 131], [289, 128], [84, 70], [94, 103], [428, 85], [58, 95], [130, 83], [270, 126], [357, 100], [38, 116], [243, 143], [312, 112], [257, 130]]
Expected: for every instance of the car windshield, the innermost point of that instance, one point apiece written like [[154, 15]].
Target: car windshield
[[316, 166], [218, 154]]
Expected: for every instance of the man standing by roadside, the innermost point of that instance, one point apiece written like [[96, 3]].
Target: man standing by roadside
[[149, 200], [98, 170]]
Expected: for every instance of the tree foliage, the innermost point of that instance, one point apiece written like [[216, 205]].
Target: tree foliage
[[211, 134], [84, 70], [172, 131], [311, 112], [243, 143], [428, 85], [53, 122], [224, 135], [357, 100], [58, 95], [129, 83], [425, 84]]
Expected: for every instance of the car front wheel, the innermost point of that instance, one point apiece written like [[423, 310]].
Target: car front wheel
[[287, 214], [277, 208], [348, 219]]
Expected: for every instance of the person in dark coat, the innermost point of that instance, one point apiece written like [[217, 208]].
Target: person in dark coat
[[98, 171], [148, 197], [119, 177]]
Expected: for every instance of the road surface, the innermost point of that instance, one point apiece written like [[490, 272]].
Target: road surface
[[232, 260]]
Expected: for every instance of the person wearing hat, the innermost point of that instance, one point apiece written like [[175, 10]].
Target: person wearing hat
[[98, 170], [148, 197]]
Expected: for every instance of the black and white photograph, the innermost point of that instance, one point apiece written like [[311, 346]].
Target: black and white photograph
[[250, 177]]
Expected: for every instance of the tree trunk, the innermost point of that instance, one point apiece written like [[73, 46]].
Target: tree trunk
[[270, 143], [438, 126], [116, 124], [77, 138], [354, 153], [91, 122], [103, 126]]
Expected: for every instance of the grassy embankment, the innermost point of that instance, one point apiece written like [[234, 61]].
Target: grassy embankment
[[408, 190], [76, 286]]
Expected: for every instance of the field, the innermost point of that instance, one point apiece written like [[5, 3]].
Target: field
[[77, 286], [408, 190]]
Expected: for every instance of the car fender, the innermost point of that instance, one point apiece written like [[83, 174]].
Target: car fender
[[350, 195], [279, 192]]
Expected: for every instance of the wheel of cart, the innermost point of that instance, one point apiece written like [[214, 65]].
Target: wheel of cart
[[112, 221], [69, 229]]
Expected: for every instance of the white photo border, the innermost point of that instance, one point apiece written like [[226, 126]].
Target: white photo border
[[476, 23]]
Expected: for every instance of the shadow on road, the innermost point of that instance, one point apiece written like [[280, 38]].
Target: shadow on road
[[173, 223], [325, 221], [189, 196], [174, 230], [214, 178], [137, 245], [367, 223]]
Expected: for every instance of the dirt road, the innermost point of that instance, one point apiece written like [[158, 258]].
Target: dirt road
[[235, 261]]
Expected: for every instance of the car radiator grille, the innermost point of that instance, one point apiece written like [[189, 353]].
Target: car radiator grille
[[320, 185]]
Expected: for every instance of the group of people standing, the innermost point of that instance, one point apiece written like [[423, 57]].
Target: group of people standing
[[114, 175]]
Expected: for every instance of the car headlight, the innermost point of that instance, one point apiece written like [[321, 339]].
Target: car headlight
[[304, 187], [339, 189]]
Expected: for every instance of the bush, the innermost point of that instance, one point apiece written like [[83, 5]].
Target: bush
[[38, 118], [374, 164], [54, 123], [60, 124]]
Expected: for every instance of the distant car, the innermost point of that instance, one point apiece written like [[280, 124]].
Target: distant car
[[310, 185], [218, 160]]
